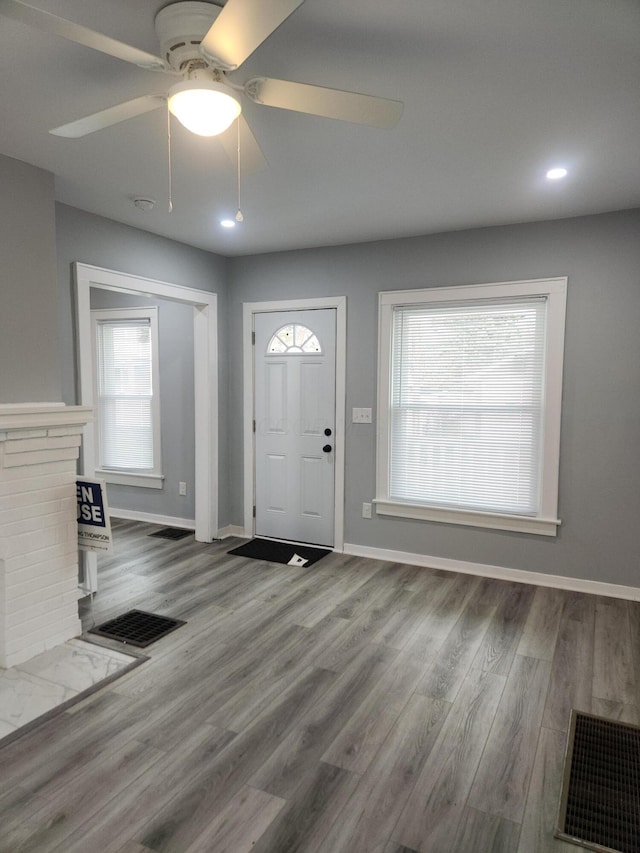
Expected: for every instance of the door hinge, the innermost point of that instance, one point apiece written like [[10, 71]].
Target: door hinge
[[254, 512], [254, 424], [253, 338]]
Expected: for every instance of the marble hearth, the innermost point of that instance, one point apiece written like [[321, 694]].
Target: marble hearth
[[39, 447]]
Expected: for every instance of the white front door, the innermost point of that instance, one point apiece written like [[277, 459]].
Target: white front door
[[295, 405]]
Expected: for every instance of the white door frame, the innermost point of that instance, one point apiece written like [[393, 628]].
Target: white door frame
[[249, 310], [205, 377]]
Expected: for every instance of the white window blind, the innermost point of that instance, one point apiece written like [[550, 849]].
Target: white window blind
[[125, 394], [466, 404]]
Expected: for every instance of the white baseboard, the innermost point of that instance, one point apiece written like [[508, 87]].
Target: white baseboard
[[232, 530], [152, 518], [171, 521], [612, 590]]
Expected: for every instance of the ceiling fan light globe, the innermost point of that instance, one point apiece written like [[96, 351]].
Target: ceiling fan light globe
[[204, 108]]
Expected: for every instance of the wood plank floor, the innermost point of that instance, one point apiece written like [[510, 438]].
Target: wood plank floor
[[355, 707]]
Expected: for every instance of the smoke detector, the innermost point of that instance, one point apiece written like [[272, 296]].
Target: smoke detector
[[144, 204]]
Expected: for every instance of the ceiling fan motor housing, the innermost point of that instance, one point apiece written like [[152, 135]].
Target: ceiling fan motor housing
[[181, 27]]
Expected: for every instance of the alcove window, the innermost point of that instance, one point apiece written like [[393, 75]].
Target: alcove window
[[126, 383], [294, 339]]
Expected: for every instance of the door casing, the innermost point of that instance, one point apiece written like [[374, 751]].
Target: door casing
[[250, 309]]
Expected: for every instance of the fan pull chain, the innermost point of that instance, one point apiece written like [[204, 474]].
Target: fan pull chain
[[169, 158], [239, 216]]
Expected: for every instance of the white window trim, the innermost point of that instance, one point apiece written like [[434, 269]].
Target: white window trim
[[547, 522], [153, 478], [126, 478]]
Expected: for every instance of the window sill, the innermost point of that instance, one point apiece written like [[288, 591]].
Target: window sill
[[126, 478], [469, 518]]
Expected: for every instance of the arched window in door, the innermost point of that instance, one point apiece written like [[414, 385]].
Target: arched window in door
[[294, 339]]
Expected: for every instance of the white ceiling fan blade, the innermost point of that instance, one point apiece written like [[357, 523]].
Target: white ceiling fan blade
[[113, 115], [251, 157], [81, 35], [241, 27], [329, 103]]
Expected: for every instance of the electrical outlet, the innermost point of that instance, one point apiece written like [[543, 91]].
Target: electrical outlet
[[182, 488], [366, 510]]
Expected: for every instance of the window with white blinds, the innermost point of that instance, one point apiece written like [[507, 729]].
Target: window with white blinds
[[470, 404], [127, 404]]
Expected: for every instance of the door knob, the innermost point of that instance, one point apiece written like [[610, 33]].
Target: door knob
[[327, 448]]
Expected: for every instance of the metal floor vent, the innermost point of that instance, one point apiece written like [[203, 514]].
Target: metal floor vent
[[137, 628], [171, 533], [600, 805]]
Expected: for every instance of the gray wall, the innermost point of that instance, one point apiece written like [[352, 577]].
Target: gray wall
[[94, 240], [29, 370], [175, 350], [600, 463]]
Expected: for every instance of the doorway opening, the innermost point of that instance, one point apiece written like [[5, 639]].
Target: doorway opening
[[204, 305]]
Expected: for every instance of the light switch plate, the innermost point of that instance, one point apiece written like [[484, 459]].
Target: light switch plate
[[361, 416]]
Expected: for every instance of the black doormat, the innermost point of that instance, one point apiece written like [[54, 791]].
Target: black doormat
[[600, 805], [280, 552], [137, 628], [172, 533]]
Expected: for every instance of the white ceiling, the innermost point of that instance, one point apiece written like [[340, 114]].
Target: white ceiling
[[495, 92]]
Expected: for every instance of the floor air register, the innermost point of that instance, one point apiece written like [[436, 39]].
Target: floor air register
[[600, 803]]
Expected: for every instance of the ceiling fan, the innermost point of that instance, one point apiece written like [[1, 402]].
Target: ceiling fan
[[202, 43]]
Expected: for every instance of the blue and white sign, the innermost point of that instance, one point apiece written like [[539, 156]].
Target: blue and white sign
[[94, 527]]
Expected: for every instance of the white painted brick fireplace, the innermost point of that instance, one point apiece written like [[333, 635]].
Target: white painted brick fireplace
[[39, 447]]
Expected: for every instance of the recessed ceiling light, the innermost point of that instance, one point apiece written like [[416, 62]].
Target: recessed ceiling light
[[556, 174], [228, 223]]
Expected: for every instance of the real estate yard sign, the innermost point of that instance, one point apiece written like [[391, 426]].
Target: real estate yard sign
[[94, 528]]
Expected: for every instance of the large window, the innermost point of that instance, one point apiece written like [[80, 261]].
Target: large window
[[126, 395], [469, 404]]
